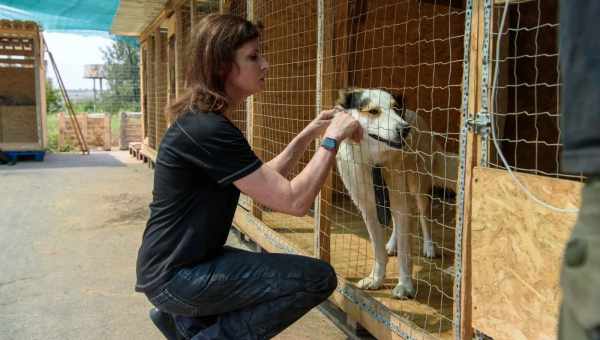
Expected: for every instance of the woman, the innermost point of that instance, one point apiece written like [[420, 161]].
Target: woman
[[201, 288]]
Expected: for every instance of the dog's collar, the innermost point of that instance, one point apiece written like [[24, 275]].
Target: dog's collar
[[392, 144]]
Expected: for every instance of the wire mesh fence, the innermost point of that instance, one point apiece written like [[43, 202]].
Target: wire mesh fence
[[527, 103], [414, 51], [407, 49]]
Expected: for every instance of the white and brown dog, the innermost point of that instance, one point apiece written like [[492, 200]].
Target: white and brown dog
[[395, 139]]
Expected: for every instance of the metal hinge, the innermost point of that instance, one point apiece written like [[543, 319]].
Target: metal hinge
[[480, 124]]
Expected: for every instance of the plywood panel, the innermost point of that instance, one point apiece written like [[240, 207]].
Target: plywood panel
[[17, 86], [18, 124], [517, 245]]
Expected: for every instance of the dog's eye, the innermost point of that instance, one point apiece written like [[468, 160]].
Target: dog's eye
[[374, 111]]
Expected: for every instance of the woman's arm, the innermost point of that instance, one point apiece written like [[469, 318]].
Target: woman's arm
[[271, 189], [288, 158]]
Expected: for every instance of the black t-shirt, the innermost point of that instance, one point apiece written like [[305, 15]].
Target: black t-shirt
[[194, 200]]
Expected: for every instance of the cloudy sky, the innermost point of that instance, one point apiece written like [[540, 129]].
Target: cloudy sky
[[71, 52]]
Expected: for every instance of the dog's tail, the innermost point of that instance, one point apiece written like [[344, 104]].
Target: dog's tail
[[445, 171]]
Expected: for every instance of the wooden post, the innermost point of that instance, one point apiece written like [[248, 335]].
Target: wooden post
[[465, 329], [192, 14], [160, 82], [107, 132], [254, 122], [83, 122], [61, 130], [179, 52], [332, 74], [42, 81], [37, 62], [143, 88], [123, 138]]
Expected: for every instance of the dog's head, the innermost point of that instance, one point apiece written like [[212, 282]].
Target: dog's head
[[381, 114]]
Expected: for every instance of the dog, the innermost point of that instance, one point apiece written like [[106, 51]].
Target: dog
[[396, 140]]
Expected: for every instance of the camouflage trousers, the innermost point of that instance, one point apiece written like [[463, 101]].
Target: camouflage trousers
[[580, 276]]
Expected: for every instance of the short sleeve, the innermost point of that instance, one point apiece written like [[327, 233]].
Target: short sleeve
[[220, 148]]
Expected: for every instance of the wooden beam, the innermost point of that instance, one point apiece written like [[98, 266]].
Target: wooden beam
[[143, 87], [465, 329], [511, 2]]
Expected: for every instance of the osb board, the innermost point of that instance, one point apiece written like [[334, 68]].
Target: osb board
[[352, 257], [358, 305], [17, 86], [517, 248], [414, 48], [19, 124]]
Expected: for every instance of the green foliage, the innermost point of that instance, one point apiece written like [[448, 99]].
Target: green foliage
[[121, 62], [53, 97]]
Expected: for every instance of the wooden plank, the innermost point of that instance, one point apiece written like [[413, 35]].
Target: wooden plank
[[42, 103], [511, 2], [61, 130], [21, 147], [39, 81], [143, 88], [181, 33], [107, 132], [517, 250], [149, 152]]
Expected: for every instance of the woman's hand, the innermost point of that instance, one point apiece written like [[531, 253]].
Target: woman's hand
[[316, 128], [344, 126]]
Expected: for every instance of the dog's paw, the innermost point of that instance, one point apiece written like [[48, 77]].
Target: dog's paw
[[390, 248], [370, 283], [429, 249], [404, 291]]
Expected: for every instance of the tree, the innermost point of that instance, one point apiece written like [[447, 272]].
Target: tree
[[121, 62], [53, 97]]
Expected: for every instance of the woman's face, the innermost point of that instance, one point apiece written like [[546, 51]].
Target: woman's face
[[247, 75]]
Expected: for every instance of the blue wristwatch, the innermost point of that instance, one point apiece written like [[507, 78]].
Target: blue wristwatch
[[329, 143]]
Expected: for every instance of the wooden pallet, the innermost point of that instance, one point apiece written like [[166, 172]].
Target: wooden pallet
[[135, 150]]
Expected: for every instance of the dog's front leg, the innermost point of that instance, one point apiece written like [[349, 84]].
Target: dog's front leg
[[404, 289], [402, 225], [377, 235]]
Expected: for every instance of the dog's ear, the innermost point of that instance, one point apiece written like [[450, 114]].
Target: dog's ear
[[399, 105], [343, 95], [349, 98]]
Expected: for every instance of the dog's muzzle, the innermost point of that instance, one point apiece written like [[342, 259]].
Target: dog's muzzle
[[403, 132]]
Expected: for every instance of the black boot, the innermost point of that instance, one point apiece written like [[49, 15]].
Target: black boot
[[165, 323]]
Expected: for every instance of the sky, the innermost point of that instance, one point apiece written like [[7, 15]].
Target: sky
[[71, 52]]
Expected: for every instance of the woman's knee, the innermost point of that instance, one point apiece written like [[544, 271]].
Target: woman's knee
[[325, 277]]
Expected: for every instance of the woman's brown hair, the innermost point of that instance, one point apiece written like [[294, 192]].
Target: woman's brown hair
[[210, 57]]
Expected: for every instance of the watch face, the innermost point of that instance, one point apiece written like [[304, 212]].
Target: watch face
[[329, 143]]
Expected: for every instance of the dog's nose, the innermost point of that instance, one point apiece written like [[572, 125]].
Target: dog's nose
[[402, 130]]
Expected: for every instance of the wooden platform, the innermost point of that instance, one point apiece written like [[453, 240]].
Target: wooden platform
[[148, 155], [352, 257], [135, 150]]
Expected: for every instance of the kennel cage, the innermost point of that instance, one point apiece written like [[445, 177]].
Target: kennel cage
[[22, 90], [439, 55]]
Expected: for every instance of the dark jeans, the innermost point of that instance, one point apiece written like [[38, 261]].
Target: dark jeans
[[245, 295], [580, 73]]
